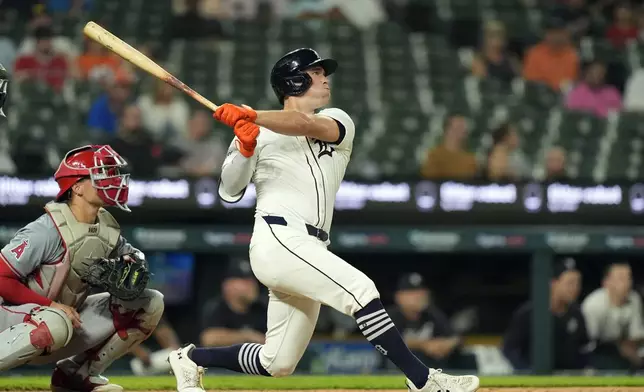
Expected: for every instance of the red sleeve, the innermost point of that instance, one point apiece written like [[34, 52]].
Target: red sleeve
[[12, 290], [23, 63]]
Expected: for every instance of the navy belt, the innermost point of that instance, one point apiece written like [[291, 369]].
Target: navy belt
[[312, 230]]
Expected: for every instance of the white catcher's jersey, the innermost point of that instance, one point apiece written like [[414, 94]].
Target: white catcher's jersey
[[296, 176]]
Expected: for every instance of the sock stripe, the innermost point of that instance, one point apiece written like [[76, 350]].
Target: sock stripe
[[242, 358], [370, 323], [380, 332], [375, 328], [362, 319], [254, 358]]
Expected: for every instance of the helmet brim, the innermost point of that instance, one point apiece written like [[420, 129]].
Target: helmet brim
[[329, 65]]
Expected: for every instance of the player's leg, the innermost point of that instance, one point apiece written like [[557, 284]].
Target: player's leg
[[302, 265], [29, 330], [291, 322], [110, 328]]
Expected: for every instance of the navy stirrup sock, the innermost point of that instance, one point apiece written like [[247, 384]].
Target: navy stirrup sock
[[241, 358]]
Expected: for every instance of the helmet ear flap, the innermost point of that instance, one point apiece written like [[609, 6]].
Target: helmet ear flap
[[298, 84]]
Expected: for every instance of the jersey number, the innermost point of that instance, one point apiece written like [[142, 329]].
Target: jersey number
[[325, 148], [20, 249]]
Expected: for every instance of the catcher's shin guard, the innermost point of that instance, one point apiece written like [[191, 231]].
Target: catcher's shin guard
[[134, 322], [44, 329]]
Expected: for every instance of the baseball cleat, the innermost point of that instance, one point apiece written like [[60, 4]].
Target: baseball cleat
[[63, 382], [441, 382], [188, 374]]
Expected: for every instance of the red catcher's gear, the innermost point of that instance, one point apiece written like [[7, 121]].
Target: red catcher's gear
[[101, 165]]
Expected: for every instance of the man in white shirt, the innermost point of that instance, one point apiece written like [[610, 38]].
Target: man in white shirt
[[297, 158], [614, 320]]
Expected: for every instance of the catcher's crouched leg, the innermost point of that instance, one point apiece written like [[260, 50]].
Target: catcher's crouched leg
[[134, 321], [44, 328]]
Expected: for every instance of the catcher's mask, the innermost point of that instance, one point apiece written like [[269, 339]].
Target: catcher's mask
[[4, 83], [102, 165]]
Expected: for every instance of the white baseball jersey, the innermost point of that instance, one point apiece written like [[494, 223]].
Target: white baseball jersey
[[297, 176]]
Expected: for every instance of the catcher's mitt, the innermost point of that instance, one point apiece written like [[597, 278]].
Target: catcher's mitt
[[124, 277]]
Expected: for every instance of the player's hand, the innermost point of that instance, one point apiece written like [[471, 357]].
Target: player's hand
[[439, 347], [70, 312], [230, 114], [246, 133]]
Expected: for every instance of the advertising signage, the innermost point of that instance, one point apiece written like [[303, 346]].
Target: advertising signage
[[380, 202]]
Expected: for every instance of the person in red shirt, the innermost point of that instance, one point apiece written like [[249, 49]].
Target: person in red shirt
[[623, 28], [44, 64]]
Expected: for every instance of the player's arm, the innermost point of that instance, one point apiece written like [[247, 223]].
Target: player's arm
[[35, 244], [123, 247], [330, 125], [516, 341], [236, 173], [166, 336]]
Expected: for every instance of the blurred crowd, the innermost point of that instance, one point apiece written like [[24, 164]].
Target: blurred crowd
[[154, 127]]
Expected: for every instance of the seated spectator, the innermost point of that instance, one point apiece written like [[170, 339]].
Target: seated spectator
[[576, 16], [553, 61], [164, 113], [450, 160], [569, 328], [238, 316], [44, 64], [506, 162], [614, 320], [556, 165], [191, 25], [425, 328], [592, 94], [97, 63], [135, 144], [623, 28], [493, 60], [105, 111], [204, 152], [60, 44]]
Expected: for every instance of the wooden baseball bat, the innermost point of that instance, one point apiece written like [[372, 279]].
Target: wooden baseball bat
[[120, 47]]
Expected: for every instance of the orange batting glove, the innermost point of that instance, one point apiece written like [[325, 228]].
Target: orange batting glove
[[229, 114], [246, 133]]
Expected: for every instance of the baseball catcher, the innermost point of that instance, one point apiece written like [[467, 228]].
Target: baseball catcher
[[50, 265]]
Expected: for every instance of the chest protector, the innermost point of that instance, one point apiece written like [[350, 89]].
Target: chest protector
[[83, 242]]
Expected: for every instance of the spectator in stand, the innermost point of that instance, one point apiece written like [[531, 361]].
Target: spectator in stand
[[425, 328], [238, 316], [191, 25], [450, 160], [44, 64], [569, 329], [69, 7], [61, 45], [553, 61], [135, 144], [8, 52], [506, 162], [592, 94], [205, 153], [493, 60], [97, 63], [615, 320], [555, 167], [576, 15], [105, 111], [623, 28], [164, 114]]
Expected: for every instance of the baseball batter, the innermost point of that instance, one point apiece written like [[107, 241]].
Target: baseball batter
[[46, 314], [297, 158]]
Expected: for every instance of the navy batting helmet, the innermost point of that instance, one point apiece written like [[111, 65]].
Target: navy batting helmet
[[4, 82], [288, 76]]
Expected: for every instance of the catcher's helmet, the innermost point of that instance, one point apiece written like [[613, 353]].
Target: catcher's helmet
[[101, 165], [288, 76], [4, 83]]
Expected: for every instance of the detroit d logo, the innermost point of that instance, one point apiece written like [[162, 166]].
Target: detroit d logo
[[325, 148], [381, 349]]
